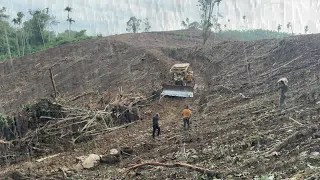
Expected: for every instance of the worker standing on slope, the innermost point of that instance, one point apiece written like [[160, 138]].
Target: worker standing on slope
[[155, 125], [186, 117], [283, 86]]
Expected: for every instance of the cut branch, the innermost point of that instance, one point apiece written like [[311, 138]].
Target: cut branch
[[82, 95], [174, 165]]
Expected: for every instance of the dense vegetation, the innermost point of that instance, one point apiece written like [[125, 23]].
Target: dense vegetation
[[32, 35]]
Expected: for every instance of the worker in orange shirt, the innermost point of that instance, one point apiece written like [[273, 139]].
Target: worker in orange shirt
[[186, 117]]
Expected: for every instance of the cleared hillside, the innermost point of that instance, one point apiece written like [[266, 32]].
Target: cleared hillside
[[237, 128]]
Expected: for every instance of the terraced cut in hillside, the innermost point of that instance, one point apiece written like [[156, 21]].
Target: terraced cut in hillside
[[237, 130]]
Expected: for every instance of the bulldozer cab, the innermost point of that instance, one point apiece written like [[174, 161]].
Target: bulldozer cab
[[181, 72], [181, 81]]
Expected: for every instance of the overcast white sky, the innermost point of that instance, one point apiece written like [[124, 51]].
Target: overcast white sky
[[110, 16]]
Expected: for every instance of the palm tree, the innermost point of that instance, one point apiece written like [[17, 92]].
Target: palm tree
[[218, 10], [70, 20], [279, 27], [244, 18], [306, 29], [69, 9], [20, 15], [289, 25], [218, 15], [3, 18], [16, 23], [185, 23]]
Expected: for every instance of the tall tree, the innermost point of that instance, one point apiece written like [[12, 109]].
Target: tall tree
[[218, 14], [19, 18], [306, 29], [279, 27], [133, 25], [38, 22], [70, 20], [16, 22], [52, 22], [185, 23], [289, 26], [244, 19], [147, 25], [207, 19], [68, 9], [37, 25], [3, 19]]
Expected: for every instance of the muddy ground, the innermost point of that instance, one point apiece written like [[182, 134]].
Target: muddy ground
[[237, 128]]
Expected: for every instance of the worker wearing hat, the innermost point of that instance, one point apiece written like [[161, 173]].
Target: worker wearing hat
[[283, 87]]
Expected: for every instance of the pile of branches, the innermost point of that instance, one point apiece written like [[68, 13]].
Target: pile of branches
[[47, 126]]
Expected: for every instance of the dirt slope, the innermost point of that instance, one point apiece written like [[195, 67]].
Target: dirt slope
[[232, 133]]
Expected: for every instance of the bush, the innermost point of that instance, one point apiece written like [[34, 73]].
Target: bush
[[6, 124]]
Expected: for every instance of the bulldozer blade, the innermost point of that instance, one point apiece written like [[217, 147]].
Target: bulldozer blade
[[175, 90]]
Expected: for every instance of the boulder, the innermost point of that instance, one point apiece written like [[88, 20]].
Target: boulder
[[114, 152], [91, 161], [315, 155]]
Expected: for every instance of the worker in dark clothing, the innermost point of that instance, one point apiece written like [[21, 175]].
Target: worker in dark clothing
[[283, 87], [155, 125]]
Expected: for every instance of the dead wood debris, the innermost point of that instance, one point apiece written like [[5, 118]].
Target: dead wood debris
[[52, 127], [208, 172], [292, 138]]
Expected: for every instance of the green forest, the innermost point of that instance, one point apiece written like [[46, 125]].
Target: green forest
[[21, 36]]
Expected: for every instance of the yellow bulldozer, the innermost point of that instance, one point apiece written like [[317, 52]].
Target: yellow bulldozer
[[181, 83]]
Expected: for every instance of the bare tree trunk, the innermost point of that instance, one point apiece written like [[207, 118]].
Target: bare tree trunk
[[23, 41], [44, 45], [28, 44], [69, 29], [49, 28], [8, 46], [17, 43]]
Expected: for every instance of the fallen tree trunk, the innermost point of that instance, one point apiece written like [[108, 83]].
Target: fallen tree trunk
[[305, 132], [208, 172], [53, 83], [5, 142], [82, 95]]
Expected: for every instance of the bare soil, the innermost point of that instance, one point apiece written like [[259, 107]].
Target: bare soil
[[237, 127]]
